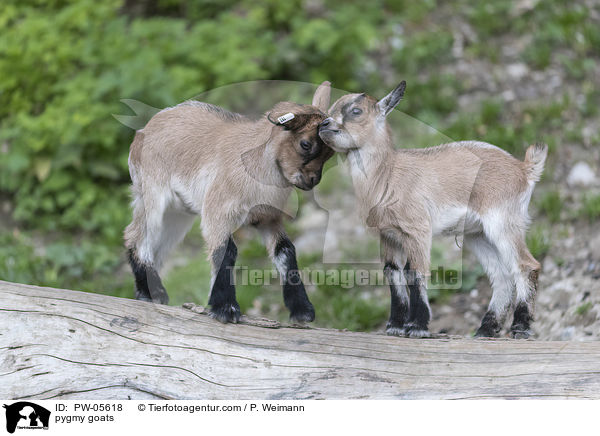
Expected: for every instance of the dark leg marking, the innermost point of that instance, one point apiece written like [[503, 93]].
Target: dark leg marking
[[399, 307], [521, 326], [224, 306], [418, 321], [490, 327], [294, 294], [148, 286]]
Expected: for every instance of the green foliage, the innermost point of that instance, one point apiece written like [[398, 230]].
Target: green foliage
[[591, 207], [538, 56], [322, 44], [493, 124], [189, 283], [551, 205], [584, 308], [62, 78], [437, 98], [83, 265], [561, 25], [352, 309], [490, 18], [538, 241]]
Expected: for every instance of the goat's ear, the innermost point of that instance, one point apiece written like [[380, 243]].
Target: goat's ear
[[390, 101], [322, 96]]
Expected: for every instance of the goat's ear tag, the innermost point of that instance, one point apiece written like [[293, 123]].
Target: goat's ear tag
[[285, 118]]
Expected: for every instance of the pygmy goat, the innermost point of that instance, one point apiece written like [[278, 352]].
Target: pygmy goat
[[196, 159], [409, 195]]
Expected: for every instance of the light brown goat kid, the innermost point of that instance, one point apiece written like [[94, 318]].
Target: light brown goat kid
[[196, 159], [465, 188]]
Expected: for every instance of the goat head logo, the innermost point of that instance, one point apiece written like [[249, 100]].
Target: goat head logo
[[26, 415]]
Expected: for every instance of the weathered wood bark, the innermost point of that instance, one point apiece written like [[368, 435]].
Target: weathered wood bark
[[67, 344]]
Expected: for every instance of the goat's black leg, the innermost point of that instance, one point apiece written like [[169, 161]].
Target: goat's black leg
[[224, 306], [523, 316], [399, 311], [521, 326], [490, 326], [148, 286], [420, 312], [294, 294]]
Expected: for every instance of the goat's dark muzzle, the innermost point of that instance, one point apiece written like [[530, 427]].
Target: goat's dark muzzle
[[328, 127], [308, 182]]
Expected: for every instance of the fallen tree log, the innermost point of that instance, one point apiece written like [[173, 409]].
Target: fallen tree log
[[61, 344]]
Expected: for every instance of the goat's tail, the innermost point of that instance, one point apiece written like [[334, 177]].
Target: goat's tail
[[535, 157], [136, 230]]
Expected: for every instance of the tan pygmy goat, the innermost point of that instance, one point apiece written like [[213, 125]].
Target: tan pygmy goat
[[196, 159], [469, 187]]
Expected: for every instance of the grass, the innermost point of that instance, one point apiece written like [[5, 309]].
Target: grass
[[538, 56], [551, 205], [584, 308], [63, 263], [590, 208], [352, 309], [489, 18], [189, 283], [495, 124], [538, 241]]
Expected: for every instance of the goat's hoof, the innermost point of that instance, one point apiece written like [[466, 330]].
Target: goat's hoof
[[520, 334], [483, 332], [391, 330], [415, 331], [303, 315], [161, 299], [142, 297], [226, 313]]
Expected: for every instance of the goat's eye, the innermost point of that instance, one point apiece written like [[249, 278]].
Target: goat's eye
[[356, 111], [305, 145]]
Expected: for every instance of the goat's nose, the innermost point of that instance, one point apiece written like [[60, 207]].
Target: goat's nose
[[326, 122], [313, 180]]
